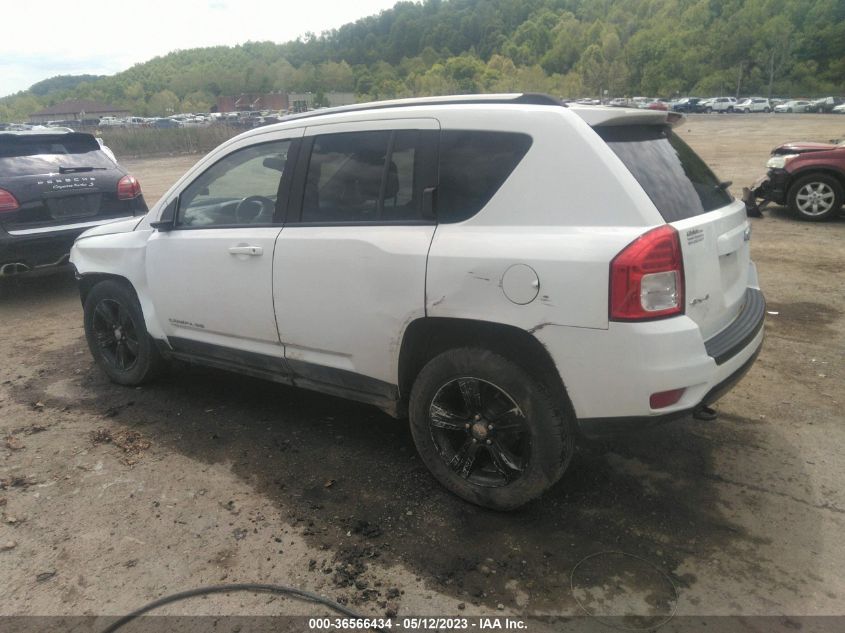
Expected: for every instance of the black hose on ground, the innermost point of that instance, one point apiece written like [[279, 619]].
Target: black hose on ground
[[252, 587]]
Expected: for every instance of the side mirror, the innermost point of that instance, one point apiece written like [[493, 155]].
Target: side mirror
[[274, 162], [167, 219]]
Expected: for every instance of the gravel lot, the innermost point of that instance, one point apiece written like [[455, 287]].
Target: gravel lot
[[111, 497]]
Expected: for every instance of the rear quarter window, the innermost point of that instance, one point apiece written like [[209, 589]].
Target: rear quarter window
[[678, 181], [473, 165]]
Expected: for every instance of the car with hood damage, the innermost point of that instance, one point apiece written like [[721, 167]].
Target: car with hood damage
[[806, 177], [507, 273], [55, 184]]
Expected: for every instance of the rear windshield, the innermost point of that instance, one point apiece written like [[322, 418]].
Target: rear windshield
[[40, 153], [680, 184], [13, 145]]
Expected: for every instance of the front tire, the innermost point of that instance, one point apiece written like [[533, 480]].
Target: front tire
[[815, 197], [117, 335], [487, 430]]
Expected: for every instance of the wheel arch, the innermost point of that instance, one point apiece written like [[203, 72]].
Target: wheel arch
[[427, 337], [811, 170], [88, 280]]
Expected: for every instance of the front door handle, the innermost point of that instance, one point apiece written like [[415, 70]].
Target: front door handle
[[246, 250]]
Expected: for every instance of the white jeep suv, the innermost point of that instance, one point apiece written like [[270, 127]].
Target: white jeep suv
[[720, 104], [501, 269]]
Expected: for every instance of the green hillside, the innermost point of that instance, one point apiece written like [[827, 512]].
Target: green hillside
[[563, 47]]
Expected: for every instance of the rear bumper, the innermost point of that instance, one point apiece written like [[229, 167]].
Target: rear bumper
[[603, 427], [611, 374], [41, 248]]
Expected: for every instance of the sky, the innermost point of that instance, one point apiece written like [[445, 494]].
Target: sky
[[102, 38]]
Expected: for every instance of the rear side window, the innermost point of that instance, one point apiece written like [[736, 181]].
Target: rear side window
[[680, 184], [370, 177], [473, 165], [345, 176]]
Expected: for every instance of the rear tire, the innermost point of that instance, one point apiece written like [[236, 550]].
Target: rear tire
[[815, 197], [487, 430], [117, 335]]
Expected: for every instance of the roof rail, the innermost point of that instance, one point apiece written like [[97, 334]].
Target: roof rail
[[525, 98]]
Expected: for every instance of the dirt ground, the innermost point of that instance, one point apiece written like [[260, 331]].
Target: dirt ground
[[111, 497]]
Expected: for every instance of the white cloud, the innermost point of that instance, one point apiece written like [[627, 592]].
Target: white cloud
[[97, 38]]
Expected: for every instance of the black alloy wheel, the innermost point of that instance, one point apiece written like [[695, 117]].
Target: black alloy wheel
[[480, 432], [116, 334], [489, 430]]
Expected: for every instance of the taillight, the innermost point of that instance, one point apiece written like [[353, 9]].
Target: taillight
[[128, 188], [647, 277], [8, 202]]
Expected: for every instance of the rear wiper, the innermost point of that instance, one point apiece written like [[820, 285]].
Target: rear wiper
[[724, 184], [76, 170]]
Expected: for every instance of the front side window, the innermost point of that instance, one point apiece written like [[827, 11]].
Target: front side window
[[241, 189]]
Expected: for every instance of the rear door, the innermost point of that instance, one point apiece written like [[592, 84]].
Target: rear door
[[60, 179], [349, 268], [713, 227]]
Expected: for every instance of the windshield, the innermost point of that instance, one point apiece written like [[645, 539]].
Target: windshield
[[680, 184]]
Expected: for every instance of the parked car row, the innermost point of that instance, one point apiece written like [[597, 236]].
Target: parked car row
[[747, 105], [246, 119]]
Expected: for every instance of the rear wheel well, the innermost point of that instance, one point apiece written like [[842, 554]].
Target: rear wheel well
[[427, 337], [89, 280]]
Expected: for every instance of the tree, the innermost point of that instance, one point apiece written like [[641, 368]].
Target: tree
[[163, 103]]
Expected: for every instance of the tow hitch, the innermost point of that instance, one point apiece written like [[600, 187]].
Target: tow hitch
[[704, 413]]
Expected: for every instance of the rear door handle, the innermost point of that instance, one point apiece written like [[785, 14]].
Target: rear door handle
[[246, 250]]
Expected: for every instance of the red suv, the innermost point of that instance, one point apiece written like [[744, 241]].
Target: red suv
[[809, 178]]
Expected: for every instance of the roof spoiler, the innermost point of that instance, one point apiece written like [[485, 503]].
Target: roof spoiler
[[597, 116]]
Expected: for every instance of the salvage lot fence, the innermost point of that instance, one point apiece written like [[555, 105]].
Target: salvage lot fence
[[143, 141]]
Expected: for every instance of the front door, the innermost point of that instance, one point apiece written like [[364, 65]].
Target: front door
[[210, 276]]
